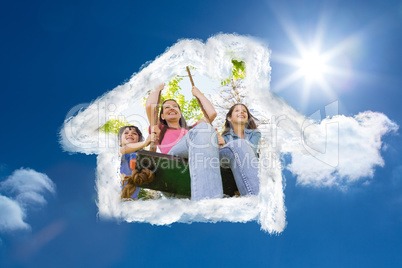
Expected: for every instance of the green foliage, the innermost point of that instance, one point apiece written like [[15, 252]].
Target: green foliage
[[142, 193], [146, 194], [189, 108], [238, 72], [113, 125]]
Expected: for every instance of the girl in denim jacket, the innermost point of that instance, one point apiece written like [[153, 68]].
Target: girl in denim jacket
[[240, 140]]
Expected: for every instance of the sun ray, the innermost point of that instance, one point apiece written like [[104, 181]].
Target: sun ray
[[346, 44], [289, 80], [293, 35], [305, 93], [285, 59]]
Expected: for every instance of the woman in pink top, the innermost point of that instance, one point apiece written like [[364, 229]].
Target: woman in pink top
[[199, 144]]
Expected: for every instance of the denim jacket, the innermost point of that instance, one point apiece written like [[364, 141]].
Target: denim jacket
[[253, 136]]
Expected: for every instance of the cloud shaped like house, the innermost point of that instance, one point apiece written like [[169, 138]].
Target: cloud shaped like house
[[289, 132]]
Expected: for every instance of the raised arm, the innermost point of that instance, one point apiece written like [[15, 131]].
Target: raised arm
[[206, 104], [133, 147], [151, 103]]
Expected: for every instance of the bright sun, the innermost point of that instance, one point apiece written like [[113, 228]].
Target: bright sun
[[312, 65], [313, 68]]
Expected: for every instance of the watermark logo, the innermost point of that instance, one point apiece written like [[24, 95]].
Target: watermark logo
[[320, 135], [317, 134]]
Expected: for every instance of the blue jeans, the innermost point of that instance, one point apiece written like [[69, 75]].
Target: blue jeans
[[240, 157], [200, 146]]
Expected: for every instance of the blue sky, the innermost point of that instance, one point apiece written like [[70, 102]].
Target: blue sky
[[57, 55]]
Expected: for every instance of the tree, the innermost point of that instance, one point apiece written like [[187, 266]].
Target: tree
[[231, 92], [112, 126], [238, 72]]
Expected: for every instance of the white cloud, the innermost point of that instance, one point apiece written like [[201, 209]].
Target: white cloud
[[335, 151], [350, 150], [25, 188], [11, 215], [360, 135], [28, 186]]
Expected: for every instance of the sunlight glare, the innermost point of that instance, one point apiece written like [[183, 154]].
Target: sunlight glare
[[312, 66]]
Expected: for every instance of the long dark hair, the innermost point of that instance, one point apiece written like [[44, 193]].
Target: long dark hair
[[165, 126], [250, 119], [121, 131]]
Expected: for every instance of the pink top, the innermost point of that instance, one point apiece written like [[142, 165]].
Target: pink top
[[172, 136]]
